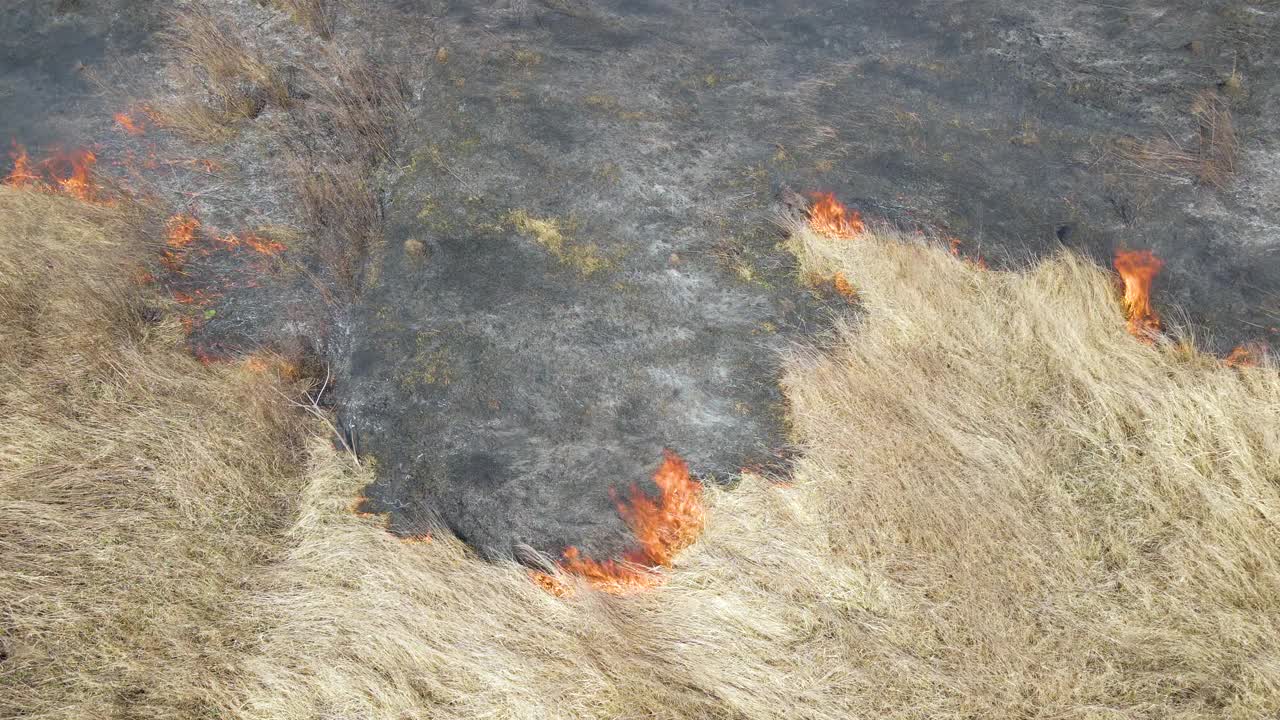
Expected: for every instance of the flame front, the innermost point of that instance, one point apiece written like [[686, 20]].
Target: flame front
[[263, 245], [1138, 268], [663, 527], [829, 217], [181, 232], [843, 286], [671, 523], [69, 172]]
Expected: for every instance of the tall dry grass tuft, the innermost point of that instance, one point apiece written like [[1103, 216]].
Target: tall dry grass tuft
[[346, 129], [318, 16], [356, 106], [1006, 507], [139, 490], [341, 205], [222, 80]]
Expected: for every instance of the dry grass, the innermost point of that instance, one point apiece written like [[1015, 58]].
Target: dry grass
[[1006, 507], [222, 80], [139, 490], [1210, 157], [318, 16], [356, 107], [345, 131], [341, 205]]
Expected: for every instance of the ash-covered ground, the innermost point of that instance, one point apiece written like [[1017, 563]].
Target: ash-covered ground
[[580, 263]]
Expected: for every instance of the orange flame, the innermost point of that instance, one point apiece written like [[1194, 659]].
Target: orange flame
[[197, 297], [663, 527], [23, 175], [69, 172], [181, 233], [1138, 268], [671, 523], [829, 217], [265, 364], [977, 261], [1243, 356], [263, 245], [843, 286], [126, 123], [76, 182]]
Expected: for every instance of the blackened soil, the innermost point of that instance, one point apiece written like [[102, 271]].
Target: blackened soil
[[505, 382], [581, 266], [55, 59]]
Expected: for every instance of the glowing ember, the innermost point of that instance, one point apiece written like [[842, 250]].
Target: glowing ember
[[125, 122], [662, 527], [551, 584], [1244, 356], [269, 363], [197, 297], [844, 287], [182, 231], [1138, 268], [263, 245], [829, 217], [358, 503]]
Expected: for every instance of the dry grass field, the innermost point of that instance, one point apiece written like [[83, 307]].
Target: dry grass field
[[1005, 507], [139, 490]]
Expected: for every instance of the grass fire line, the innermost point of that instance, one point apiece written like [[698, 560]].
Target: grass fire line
[[1002, 501]]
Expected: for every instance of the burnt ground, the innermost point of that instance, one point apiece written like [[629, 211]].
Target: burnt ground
[[580, 263]]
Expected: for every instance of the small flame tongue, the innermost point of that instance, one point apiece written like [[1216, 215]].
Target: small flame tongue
[[663, 527], [1138, 268], [75, 181], [829, 217], [23, 174]]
